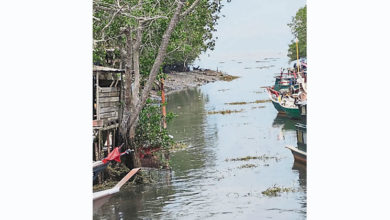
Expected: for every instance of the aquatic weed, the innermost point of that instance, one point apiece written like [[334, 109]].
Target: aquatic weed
[[247, 166], [276, 191], [262, 157], [224, 112]]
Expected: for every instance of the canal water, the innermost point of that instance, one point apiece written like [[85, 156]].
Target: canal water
[[204, 182]]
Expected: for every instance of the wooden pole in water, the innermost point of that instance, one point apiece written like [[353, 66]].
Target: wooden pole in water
[[164, 113]]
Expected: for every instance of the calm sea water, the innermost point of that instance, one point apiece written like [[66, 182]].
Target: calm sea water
[[203, 182]]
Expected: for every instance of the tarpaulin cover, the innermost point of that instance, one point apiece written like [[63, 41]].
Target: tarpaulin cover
[[114, 155]]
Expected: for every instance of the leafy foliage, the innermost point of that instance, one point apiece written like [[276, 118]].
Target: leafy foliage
[[298, 28], [192, 36], [149, 132]]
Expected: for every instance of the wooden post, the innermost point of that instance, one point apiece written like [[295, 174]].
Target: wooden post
[[113, 138], [108, 142], [100, 179], [96, 152], [99, 144], [97, 96], [164, 113]]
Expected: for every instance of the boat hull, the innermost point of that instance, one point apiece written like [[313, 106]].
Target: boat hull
[[292, 112], [299, 156], [278, 107]]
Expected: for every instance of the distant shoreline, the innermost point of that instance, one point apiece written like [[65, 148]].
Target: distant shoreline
[[178, 81]]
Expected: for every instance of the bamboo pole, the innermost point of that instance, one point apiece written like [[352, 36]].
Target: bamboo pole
[[164, 113]]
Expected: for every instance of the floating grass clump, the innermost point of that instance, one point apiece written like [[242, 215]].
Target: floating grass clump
[[177, 147], [262, 101], [244, 103], [237, 103], [276, 191], [229, 78], [262, 157], [247, 166], [258, 107], [223, 112]]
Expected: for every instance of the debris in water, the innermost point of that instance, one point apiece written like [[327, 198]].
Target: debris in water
[[247, 166], [262, 157], [237, 103], [223, 90], [275, 191], [244, 103], [177, 147], [262, 101], [258, 107], [225, 112]]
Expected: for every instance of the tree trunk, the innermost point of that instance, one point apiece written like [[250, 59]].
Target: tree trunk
[[124, 127], [156, 65]]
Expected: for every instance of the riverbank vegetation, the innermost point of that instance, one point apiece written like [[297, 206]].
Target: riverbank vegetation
[[145, 37]]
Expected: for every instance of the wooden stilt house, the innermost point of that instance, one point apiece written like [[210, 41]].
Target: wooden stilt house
[[107, 94]]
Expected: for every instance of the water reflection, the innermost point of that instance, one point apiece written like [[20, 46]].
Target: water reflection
[[139, 201], [282, 121]]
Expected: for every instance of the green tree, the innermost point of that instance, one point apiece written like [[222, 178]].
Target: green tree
[[298, 29], [144, 34]]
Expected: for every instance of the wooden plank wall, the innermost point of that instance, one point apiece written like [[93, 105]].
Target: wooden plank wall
[[108, 103]]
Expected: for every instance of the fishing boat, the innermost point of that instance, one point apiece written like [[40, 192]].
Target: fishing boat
[[273, 95], [299, 152], [299, 156], [288, 105], [284, 80]]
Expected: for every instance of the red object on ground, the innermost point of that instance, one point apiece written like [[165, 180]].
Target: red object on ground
[[114, 155]]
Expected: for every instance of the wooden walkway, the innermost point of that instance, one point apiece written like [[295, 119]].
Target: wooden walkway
[[116, 188]]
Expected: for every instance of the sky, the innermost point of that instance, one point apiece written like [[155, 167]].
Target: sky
[[252, 29]]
